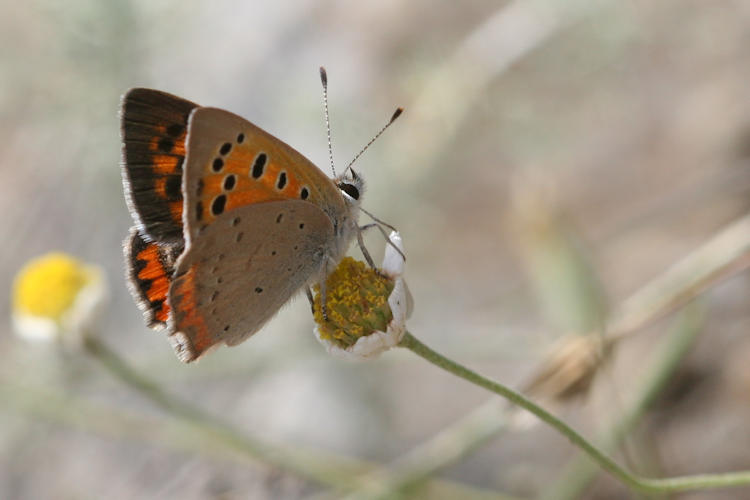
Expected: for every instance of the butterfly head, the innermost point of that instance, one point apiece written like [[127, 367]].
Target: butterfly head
[[352, 187]]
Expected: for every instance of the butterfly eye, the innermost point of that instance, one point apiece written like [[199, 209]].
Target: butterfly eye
[[350, 189]]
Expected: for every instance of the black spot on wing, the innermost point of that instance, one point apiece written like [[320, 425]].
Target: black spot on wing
[[259, 165], [217, 206], [281, 181]]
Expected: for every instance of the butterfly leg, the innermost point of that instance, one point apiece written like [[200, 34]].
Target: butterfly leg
[[310, 298], [323, 305], [362, 247], [361, 243], [379, 224], [309, 294]]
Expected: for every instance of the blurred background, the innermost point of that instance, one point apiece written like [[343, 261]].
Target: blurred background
[[553, 158]]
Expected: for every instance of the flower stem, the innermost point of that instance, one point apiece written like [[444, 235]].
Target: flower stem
[[666, 485]]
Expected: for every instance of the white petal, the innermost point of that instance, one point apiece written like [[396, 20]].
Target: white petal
[[367, 347], [398, 301], [372, 345], [409, 301], [35, 328], [393, 262]]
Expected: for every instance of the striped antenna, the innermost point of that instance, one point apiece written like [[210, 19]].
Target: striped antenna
[[396, 114], [324, 81]]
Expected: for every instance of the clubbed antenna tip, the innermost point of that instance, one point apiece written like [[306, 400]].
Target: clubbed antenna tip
[[323, 76], [396, 114]]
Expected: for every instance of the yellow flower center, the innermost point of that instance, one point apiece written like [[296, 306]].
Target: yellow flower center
[[356, 303], [47, 286]]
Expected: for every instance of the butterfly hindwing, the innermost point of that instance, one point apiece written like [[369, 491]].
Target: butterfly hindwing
[[150, 268], [154, 130], [232, 163], [242, 268]]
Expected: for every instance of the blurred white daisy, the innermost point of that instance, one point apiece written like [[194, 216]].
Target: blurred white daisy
[[57, 298]]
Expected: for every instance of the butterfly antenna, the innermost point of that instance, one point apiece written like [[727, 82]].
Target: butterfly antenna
[[324, 81], [396, 114]]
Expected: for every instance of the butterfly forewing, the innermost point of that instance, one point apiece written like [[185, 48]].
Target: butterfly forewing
[[241, 269], [232, 163]]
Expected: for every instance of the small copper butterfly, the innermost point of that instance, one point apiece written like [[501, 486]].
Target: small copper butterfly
[[230, 222]]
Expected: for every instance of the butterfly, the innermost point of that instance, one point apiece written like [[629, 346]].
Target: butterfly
[[230, 222]]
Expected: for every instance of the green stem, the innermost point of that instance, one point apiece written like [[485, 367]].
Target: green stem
[[666, 485]]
